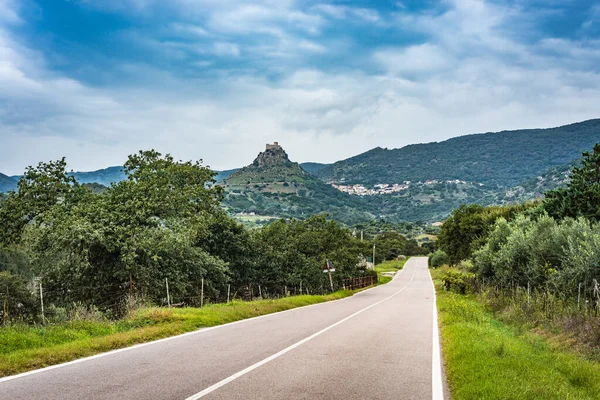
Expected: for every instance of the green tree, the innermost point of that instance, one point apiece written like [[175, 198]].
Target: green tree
[[581, 198], [390, 245], [146, 228], [39, 189]]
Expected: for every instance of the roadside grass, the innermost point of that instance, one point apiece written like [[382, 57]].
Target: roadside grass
[[388, 266], [23, 348], [488, 359]]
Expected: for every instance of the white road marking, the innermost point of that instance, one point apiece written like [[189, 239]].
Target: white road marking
[[201, 330], [243, 372], [437, 391]]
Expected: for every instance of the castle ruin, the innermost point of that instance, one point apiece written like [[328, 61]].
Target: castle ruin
[[274, 146]]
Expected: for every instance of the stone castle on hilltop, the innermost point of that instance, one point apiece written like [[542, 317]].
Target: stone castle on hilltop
[[272, 156], [274, 146]]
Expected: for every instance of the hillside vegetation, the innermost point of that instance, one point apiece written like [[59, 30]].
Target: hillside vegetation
[[274, 185], [502, 159]]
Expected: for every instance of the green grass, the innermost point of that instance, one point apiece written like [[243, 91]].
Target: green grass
[[388, 266], [488, 359], [24, 348]]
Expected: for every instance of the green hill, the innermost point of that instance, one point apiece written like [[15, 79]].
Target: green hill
[[7, 183], [104, 176], [502, 159], [275, 186]]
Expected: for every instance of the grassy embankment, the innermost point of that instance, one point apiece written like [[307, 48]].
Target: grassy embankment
[[24, 348], [388, 266], [489, 359]]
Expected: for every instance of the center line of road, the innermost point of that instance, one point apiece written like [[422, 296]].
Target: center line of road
[[243, 372]]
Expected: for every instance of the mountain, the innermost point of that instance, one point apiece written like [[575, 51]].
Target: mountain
[[275, 186], [222, 175], [554, 178], [502, 159], [313, 167], [7, 183], [104, 176]]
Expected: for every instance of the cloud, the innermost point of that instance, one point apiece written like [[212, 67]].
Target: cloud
[[232, 76], [8, 11], [226, 49]]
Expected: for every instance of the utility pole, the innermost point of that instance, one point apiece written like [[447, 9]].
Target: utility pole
[[328, 266], [330, 281], [42, 303], [168, 297]]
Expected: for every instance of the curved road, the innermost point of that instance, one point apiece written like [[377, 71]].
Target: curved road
[[377, 344]]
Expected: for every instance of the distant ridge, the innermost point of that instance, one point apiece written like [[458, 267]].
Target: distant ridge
[[7, 183], [500, 159]]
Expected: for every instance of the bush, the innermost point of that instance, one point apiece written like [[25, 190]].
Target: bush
[[16, 298], [457, 281], [438, 258]]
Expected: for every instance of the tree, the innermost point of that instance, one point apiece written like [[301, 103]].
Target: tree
[[468, 226], [581, 198], [39, 189], [146, 228], [390, 245]]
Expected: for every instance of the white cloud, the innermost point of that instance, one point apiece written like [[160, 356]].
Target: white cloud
[[471, 75], [226, 49], [9, 11], [420, 59]]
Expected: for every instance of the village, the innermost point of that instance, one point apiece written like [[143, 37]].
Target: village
[[386, 188]]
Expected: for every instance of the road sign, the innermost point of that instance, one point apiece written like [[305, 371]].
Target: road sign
[[328, 267]]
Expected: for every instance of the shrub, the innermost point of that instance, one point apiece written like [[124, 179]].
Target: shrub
[[438, 259], [457, 281], [16, 298]]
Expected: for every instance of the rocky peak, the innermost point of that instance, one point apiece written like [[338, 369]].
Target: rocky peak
[[272, 156]]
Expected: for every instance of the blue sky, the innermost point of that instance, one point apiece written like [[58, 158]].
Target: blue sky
[[96, 80]]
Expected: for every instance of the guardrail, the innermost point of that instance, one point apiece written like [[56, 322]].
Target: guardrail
[[360, 282]]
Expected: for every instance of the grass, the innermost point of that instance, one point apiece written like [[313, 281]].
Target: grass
[[488, 359], [388, 266], [23, 348]]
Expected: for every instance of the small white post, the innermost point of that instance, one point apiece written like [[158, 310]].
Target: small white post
[[259, 292], [373, 255], [300, 286], [202, 294], [168, 297], [42, 303], [228, 291]]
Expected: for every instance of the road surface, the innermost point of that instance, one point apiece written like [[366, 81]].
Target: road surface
[[378, 344]]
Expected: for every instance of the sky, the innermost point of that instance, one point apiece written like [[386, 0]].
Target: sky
[[96, 80]]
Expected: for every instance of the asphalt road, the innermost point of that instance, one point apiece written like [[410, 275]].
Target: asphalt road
[[378, 344]]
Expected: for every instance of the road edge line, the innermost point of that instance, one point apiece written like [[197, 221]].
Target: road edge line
[[437, 387]]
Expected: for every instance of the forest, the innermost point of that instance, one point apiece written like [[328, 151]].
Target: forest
[[163, 225]]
